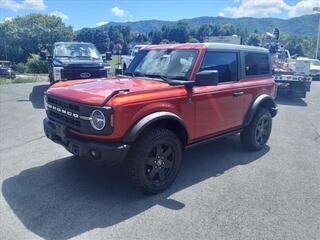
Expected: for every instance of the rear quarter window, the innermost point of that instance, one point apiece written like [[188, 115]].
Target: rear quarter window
[[256, 64]]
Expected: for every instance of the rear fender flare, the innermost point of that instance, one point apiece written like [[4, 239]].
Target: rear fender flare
[[263, 100]]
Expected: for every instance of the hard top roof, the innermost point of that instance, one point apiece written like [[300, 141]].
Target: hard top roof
[[229, 46], [213, 46]]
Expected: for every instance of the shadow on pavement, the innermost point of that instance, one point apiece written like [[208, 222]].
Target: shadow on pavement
[[290, 101], [64, 198], [36, 96]]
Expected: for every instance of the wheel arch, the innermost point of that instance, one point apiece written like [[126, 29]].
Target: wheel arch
[[263, 100], [164, 119]]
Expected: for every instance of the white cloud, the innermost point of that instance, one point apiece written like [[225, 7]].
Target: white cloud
[[257, 8], [25, 4], [101, 23], [118, 11], [303, 7], [34, 4], [221, 14], [60, 15], [9, 19], [265, 8]]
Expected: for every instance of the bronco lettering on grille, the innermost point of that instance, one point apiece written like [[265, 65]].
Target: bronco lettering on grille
[[66, 112]]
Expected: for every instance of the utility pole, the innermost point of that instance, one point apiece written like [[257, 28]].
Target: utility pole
[[317, 9], [5, 49]]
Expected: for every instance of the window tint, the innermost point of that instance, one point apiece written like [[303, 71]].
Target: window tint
[[257, 64], [224, 62]]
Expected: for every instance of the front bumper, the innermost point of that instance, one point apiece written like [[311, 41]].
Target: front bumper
[[95, 151], [315, 77]]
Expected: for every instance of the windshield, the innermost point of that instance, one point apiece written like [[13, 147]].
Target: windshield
[[169, 63], [76, 51], [315, 62], [5, 64], [136, 50]]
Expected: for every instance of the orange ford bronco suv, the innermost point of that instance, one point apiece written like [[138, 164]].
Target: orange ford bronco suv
[[170, 98]]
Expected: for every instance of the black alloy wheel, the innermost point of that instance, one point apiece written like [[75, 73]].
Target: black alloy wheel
[[160, 163], [155, 160], [263, 130], [257, 133]]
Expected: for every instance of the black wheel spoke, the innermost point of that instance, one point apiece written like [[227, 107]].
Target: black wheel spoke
[[152, 173], [167, 153], [151, 161], [160, 163], [162, 175], [168, 164], [159, 150]]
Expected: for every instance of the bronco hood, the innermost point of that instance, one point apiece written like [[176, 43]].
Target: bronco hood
[[96, 91]]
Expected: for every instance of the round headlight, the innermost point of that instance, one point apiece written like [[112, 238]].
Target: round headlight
[[97, 120]]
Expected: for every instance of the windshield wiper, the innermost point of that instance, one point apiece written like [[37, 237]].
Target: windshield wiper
[[86, 57], [162, 77], [129, 74], [65, 56], [139, 74]]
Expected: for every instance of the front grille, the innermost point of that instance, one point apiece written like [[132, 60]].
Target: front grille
[[64, 112], [76, 73], [75, 115], [64, 118], [62, 104]]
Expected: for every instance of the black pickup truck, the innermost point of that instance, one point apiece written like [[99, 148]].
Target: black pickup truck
[[77, 60]]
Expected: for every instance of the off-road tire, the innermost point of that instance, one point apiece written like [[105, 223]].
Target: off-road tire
[[142, 153], [253, 138]]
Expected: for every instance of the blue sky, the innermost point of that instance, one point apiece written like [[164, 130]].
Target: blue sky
[[90, 13]]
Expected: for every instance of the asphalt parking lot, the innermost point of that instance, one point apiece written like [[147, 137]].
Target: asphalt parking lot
[[222, 191]]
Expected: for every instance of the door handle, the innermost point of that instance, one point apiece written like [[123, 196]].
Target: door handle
[[238, 94]]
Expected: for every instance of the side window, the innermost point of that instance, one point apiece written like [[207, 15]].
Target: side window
[[256, 64], [224, 62]]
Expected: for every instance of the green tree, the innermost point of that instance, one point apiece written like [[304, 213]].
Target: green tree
[[35, 65], [155, 37], [85, 35], [28, 34], [165, 41], [101, 40], [203, 32], [179, 32], [193, 40], [253, 39]]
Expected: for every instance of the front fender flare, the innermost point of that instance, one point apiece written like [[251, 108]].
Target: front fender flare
[[265, 101], [146, 121]]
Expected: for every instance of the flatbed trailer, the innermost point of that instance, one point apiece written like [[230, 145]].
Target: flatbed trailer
[[293, 85]]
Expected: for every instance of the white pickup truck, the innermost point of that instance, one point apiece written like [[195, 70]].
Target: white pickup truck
[[314, 68], [126, 59]]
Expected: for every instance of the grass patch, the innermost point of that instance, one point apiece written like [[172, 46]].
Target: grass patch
[[114, 62], [21, 80]]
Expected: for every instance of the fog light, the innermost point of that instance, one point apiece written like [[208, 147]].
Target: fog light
[[95, 154]]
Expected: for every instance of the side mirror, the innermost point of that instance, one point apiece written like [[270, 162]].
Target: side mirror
[[207, 78], [108, 56], [42, 56]]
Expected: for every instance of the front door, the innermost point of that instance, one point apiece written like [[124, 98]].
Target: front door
[[219, 108]]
